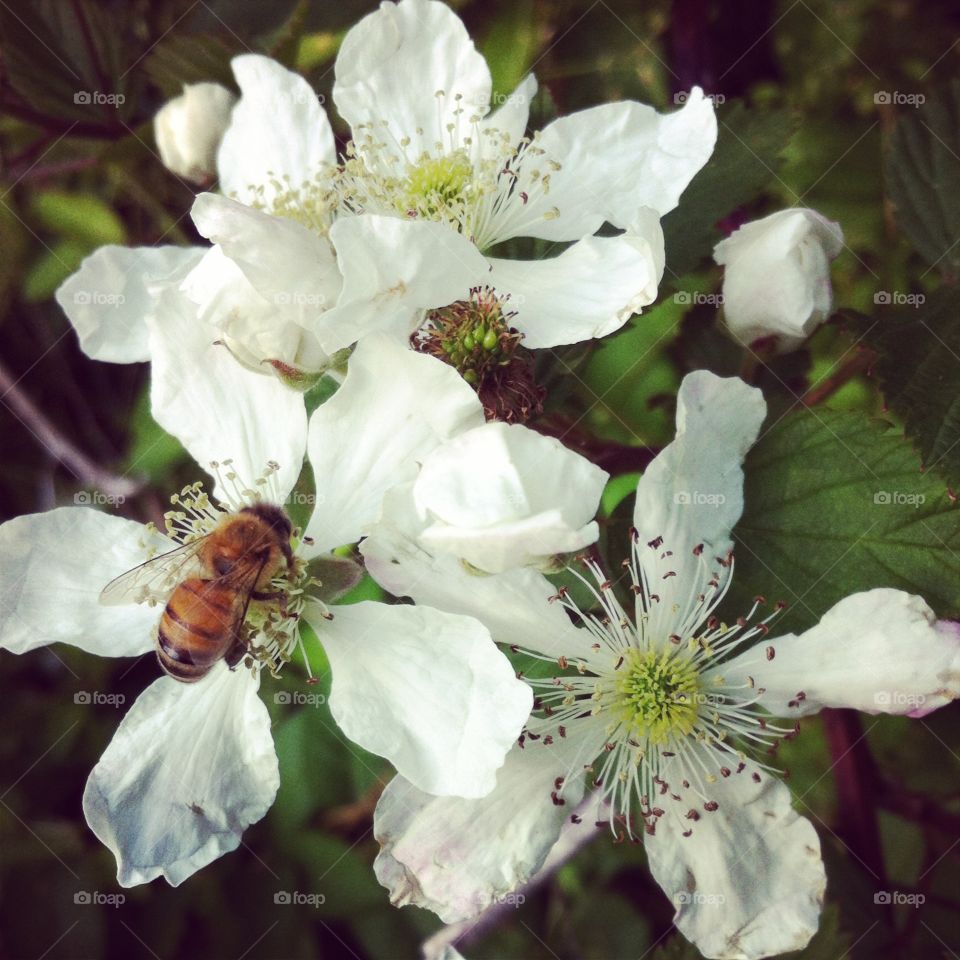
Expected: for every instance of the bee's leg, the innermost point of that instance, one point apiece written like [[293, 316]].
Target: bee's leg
[[236, 653], [278, 596]]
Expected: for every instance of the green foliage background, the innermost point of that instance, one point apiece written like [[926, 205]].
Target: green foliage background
[[799, 125]]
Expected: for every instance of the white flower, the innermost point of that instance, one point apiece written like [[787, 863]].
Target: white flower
[[188, 130], [312, 252], [192, 765], [663, 709], [501, 496], [776, 280], [436, 181]]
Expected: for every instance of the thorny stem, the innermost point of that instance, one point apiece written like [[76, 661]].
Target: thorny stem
[[57, 445]]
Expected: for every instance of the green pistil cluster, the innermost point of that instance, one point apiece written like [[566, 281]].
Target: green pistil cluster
[[658, 694], [472, 335]]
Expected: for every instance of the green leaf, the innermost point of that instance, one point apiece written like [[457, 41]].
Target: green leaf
[[78, 216], [919, 372], [511, 46], [746, 158], [835, 505], [923, 177], [55, 264]]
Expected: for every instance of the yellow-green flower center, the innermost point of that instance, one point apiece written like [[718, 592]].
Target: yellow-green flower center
[[659, 694], [437, 185]]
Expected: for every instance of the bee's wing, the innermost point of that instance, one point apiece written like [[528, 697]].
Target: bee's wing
[[155, 579]]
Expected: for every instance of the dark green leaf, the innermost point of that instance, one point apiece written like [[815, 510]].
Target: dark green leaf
[[836, 505], [919, 369], [923, 177]]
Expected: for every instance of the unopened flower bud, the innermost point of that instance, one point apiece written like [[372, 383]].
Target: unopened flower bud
[[188, 130]]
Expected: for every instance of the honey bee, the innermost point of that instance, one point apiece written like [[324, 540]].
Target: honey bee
[[216, 577]]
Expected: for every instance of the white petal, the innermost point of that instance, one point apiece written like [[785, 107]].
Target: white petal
[[278, 133], [514, 606], [428, 690], [393, 408], [52, 568], [748, 882], [881, 651], [108, 299], [456, 857], [692, 492], [287, 263], [501, 496], [414, 66], [393, 269], [218, 409], [509, 120], [615, 159], [191, 766], [589, 290], [776, 280], [256, 330]]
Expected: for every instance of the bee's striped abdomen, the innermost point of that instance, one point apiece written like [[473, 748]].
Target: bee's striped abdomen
[[198, 626]]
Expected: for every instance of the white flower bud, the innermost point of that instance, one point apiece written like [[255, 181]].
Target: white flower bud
[[777, 277], [189, 128], [501, 496]]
